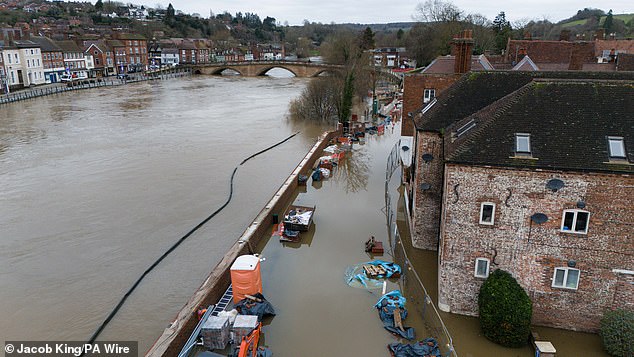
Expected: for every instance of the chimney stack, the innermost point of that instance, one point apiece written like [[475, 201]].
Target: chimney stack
[[564, 35], [462, 47], [600, 34], [521, 53]]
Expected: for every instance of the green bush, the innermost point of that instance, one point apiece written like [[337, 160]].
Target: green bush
[[617, 332], [505, 310]]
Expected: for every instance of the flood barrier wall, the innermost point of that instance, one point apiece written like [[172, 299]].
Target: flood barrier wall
[[212, 289]]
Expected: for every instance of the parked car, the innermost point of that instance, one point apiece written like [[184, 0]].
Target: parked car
[[65, 78], [123, 76]]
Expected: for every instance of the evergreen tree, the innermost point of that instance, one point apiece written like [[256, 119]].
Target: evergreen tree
[[99, 5], [609, 22], [502, 29], [170, 11], [367, 39], [399, 34]]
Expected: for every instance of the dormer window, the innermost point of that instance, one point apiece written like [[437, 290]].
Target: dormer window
[[616, 144], [523, 143], [428, 95]]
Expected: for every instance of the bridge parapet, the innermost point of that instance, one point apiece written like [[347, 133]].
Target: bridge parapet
[[259, 68]]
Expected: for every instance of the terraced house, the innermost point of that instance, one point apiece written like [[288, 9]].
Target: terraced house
[[532, 173]]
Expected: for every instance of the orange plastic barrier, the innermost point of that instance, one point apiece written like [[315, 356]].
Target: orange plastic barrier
[[246, 277]]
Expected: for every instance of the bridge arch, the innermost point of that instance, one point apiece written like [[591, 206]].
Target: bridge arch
[[218, 70], [264, 70]]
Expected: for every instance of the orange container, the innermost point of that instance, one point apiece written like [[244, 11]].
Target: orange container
[[246, 277]]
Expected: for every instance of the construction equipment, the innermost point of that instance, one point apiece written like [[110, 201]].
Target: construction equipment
[[249, 344]]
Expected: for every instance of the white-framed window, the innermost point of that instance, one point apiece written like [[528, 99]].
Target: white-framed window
[[487, 213], [481, 268], [523, 143], [428, 95], [616, 144], [566, 278], [575, 221]]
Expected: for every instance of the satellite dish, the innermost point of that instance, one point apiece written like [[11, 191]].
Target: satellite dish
[[539, 218], [428, 157], [554, 184], [425, 186], [405, 148], [581, 205]]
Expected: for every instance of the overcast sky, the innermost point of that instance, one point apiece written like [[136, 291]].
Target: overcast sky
[[384, 11]]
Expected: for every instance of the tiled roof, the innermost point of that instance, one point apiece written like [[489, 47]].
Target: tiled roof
[[476, 90], [115, 43], [568, 122], [68, 46], [131, 36], [445, 64], [46, 44]]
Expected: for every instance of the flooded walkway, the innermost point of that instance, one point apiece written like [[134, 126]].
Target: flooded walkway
[[318, 314]]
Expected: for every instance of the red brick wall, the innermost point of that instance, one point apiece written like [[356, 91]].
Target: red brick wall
[[531, 251], [413, 91], [426, 210]]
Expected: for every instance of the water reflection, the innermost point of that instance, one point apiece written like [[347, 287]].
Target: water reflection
[[354, 171]]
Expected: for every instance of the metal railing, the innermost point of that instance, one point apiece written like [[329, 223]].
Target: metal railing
[[85, 84], [411, 285]]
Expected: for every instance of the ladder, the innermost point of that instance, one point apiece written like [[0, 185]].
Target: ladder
[[224, 301]]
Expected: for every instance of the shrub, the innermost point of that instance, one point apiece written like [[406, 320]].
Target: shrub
[[617, 332], [505, 310]]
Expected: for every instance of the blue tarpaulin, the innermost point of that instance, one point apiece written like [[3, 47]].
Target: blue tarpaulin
[[386, 306], [425, 348]]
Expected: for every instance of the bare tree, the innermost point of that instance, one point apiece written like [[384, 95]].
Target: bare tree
[[438, 11]]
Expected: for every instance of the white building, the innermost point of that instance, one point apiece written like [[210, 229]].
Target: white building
[[23, 64], [169, 57]]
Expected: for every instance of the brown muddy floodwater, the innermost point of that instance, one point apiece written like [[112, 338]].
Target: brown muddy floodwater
[[95, 185]]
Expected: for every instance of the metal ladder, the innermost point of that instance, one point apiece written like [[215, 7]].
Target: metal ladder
[[224, 301]]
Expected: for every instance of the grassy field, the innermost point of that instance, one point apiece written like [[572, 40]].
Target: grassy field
[[623, 17]]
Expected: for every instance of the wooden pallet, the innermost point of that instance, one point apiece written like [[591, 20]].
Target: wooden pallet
[[373, 271]]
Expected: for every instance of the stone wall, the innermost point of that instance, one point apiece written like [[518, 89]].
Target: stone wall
[[427, 200], [531, 251]]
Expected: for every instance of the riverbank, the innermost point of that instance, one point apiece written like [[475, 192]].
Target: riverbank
[[89, 83]]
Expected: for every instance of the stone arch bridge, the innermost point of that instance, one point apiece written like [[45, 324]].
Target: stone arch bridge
[[259, 68]]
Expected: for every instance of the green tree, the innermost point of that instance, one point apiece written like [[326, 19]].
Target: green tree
[[99, 5], [170, 11], [609, 22], [617, 332], [399, 34], [367, 39], [505, 310], [502, 29]]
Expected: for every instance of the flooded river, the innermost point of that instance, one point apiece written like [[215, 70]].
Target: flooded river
[[95, 185]]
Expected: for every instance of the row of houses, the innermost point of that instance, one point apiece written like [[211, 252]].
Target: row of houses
[[38, 59], [526, 170]]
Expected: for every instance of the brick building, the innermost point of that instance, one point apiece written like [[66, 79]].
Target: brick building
[[531, 173], [74, 60], [52, 58], [133, 56], [421, 88]]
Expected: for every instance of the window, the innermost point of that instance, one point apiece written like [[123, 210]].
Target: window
[[575, 221], [487, 213], [481, 268], [616, 145], [429, 95], [567, 278], [523, 143]]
